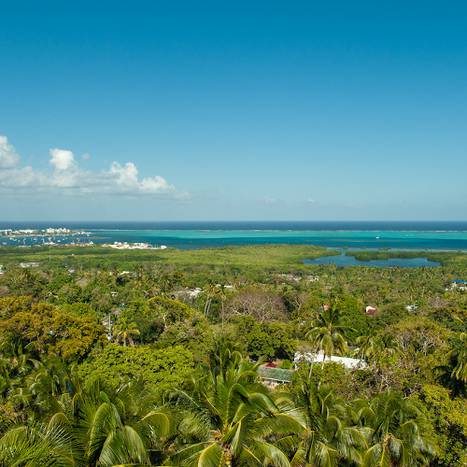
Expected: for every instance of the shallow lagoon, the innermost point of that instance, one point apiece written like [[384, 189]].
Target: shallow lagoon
[[344, 260]]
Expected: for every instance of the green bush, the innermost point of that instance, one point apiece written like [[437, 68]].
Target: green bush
[[161, 369]]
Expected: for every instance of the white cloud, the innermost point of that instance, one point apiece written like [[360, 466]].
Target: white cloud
[[125, 176], [67, 176], [8, 156], [62, 159]]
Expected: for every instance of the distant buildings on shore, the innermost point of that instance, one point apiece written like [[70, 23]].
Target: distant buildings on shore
[[40, 232], [133, 246]]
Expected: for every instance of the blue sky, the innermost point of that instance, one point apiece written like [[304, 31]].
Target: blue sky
[[233, 110]]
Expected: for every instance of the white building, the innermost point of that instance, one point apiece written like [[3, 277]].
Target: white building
[[29, 264], [193, 293], [310, 357], [133, 246]]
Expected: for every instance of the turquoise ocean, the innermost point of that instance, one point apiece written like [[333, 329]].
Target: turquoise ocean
[[189, 235]]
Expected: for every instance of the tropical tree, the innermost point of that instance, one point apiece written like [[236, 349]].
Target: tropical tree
[[117, 428], [51, 378], [398, 433], [242, 422], [37, 446], [326, 334], [329, 438], [125, 330], [454, 373], [371, 347], [211, 293], [93, 428], [459, 354]]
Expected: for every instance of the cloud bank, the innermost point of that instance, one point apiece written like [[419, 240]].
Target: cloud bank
[[66, 176]]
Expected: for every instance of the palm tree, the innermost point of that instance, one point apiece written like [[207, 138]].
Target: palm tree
[[93, 428], [454, 373], [115, 428], [396, 431], [326, 334], [370, 347], [37, 446], [214, 293], [329, 439], [237, 420], [47, 383], [125, 330], [459, 354]]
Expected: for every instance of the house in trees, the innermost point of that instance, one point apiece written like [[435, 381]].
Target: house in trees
[[459, 284], [29, 264], [319, 357]]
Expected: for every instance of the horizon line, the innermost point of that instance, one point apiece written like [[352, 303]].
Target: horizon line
[[234, 220]]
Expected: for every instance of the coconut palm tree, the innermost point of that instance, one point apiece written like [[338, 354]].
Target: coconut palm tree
[[210, 294], [37, 446], [120, 427], [51, 379], [125, 330], [460, 355], [94, 428], [396, 432], [238, 421], [454, 373], [326, 334], [330, 438], [371, 347]]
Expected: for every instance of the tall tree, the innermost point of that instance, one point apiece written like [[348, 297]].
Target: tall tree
[[398, 432], [93, 428], [326, 334], [330, 438], [243, 422], [125, 330]]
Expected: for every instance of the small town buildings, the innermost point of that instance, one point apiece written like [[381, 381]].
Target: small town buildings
[[133, 246], [57, 231], [295, 278]]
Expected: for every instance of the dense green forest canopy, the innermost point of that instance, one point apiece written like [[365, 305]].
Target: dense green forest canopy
[[186, 358]]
